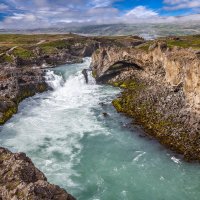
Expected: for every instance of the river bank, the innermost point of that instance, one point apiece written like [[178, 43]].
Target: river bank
[[161, 91]]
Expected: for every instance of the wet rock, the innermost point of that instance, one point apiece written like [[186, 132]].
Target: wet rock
[[18, 84], [102, 104], [105, 114], [85, 74], [20, 179]]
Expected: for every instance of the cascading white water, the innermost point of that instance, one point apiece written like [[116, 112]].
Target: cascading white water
[[53, 80], [94, 157], [55, 127]]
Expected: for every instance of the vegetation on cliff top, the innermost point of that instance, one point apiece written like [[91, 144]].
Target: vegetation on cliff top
[[192, 41], [23, 53], [23, 46]]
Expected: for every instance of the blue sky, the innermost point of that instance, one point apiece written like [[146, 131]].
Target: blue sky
[[45, 13]]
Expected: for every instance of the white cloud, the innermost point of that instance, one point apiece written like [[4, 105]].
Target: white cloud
[[3, 7], [101, 3], [141, 12], [181, 4], [45, 13]]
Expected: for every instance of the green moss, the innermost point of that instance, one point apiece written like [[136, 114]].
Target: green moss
[[26, 93], [94, 74], [41, 87], [145, 113], [6, 58], [145, 46], [115, 84], [8, 114], [117, 104], [184, 42], [129, 84], [48, 50], [51, 47], [23, 53]]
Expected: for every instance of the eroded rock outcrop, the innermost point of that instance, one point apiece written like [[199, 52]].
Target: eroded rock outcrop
[[15, 85], [161, 91], [20, 179], [178, 66], [182, 67]]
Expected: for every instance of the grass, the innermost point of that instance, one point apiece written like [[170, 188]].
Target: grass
[[11, 40], [51, 47], [184, 41], [145, 46], [192, 41], [7, 58], [51, 44], [23, 53]]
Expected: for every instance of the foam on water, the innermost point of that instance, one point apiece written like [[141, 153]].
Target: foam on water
[[67, 136], [54, 124]]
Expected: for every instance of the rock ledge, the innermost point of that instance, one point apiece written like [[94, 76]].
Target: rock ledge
[[20, 179]]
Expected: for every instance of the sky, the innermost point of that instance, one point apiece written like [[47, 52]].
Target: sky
[[22, 14]]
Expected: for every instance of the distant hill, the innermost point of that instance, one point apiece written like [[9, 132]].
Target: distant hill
[[148, 31]]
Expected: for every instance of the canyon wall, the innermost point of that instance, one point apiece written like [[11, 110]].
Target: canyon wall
[[176, 67], [161, 91]]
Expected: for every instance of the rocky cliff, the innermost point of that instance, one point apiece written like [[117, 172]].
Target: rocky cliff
[[20, 179], [15, 85], [161, 91]]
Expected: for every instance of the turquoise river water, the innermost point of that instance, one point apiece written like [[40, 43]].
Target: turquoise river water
[[92, 156]]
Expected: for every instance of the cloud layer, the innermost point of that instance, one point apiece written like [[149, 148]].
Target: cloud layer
[[22, 14], [181, 4]]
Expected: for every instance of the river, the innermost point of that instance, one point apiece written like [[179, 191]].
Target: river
[[93, 155]]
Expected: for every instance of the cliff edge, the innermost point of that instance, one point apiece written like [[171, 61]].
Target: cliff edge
[[161, 91]]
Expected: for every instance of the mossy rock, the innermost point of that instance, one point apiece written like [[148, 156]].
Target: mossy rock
[[23, 53], [144, 112], [6, 58], [94, 74], [117, 104], [53, 46], [8, 114], [13, 108]]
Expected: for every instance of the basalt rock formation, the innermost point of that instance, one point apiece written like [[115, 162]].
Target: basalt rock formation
[[20, 179], [15, 85], [161, 91]]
